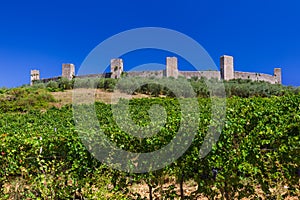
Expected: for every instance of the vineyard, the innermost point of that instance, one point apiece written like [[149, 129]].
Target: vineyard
[[43, 156]]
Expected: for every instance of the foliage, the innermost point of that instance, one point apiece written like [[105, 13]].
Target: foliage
[[52, 86], [156, 88], [248, 88], [43, 157], [237, 87], [65, 84], [24, 99]]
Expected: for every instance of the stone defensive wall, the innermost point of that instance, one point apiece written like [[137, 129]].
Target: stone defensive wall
[[46, 80], [206, 74], [146, 74], [254, 76], [104, 75], [226, 72]]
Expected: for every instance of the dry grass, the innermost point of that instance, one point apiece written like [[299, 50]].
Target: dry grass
[[87, 95], [143, 189], [191, 186]]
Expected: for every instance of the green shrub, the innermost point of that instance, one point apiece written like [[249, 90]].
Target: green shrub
[[65, 84], [109, 84], [52, 86], [39, 86], [25, 99]]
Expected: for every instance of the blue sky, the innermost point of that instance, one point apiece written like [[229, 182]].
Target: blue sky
[[260, 34]]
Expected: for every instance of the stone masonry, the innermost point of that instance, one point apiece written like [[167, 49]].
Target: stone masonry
[[116, 68], [226, 67], [171, 67], [68, 71], [34, 76], [277, 75]]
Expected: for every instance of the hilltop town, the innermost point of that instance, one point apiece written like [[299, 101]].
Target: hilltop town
[[227, 72]]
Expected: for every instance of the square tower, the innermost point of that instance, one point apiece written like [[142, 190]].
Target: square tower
[[116, 67], [172, 67], [226, 67], [278, 75], [68, 71], [34, 76]]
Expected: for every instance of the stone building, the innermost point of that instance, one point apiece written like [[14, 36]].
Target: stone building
[[34, 76], [226, 67], [116, 67], [68, 71], [171, 67]]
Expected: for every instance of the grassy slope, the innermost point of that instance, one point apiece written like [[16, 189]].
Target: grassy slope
[[100, 95], [22, 100]]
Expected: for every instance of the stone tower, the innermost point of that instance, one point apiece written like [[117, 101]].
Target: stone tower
[[68, 71], [34, 76], [277, 75], [226, 67], [116, 67], [172, 67]]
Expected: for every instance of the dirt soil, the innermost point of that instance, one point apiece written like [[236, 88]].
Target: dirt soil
[[190, 186], [86, 95]]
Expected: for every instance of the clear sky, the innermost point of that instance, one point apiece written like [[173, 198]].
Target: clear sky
[[260, 34]]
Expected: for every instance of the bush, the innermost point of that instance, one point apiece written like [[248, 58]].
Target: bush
[[65, 84], [52, 86], [39, 86], [109, 84], [25, 99]]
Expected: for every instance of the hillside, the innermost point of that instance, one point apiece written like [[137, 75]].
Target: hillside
[[100, 95], [43, 154]]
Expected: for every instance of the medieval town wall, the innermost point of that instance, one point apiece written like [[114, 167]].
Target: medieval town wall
[[226, 72]]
